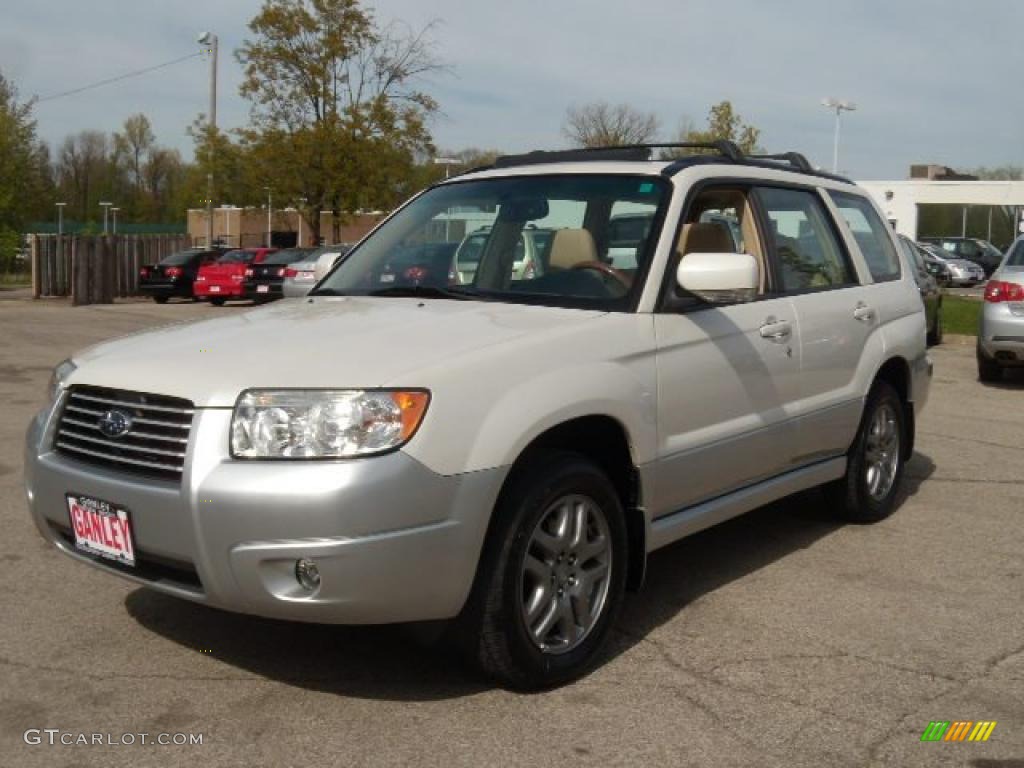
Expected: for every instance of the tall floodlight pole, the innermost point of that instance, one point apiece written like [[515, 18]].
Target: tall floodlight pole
[[114, 210], [106, 208], [60, 218], [209, 41], [270, 213], [839, 107]]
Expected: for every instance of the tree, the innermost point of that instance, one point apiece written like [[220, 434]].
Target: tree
[[337, 121], [999, 173], [135, 142], [25, 180], [723, 123], [604, 125]]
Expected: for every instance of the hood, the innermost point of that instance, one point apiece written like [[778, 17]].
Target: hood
[[343, 342]]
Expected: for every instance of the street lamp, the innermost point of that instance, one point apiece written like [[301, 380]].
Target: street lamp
[[302, 207], [270, 211], [839, 107], [447, 162], [209, 41], [106, 207], [114, 211], [60, 218]]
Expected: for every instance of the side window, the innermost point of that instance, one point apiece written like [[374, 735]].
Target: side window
[[807, 250], [872, 235]]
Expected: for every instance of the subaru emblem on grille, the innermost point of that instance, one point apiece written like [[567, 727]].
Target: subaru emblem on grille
[[115, 423]]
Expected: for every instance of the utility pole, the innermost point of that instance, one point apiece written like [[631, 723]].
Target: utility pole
[[270, 214], [839, 106], [209, 41]]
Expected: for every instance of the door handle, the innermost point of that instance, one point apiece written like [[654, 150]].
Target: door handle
[[864, 313], [776, 330]]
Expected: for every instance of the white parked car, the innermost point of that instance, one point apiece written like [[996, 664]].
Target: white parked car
[[299, 278], [502, 454]]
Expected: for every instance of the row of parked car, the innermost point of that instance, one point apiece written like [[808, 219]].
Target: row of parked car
[[218, 275]]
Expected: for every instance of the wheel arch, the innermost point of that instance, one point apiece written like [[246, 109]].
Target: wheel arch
[[604, 440], [896, 373]]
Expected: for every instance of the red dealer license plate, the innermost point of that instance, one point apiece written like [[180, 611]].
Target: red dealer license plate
[[101, 528]]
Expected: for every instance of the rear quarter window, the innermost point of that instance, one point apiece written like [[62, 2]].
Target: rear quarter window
[[871, 234]]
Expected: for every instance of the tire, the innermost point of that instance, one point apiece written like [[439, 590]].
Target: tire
[[935, 334], [867, 492], [218, 302], [989, 370], [160, 299], [574, 589]]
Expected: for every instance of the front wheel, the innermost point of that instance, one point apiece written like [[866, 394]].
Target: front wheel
[[218, 302], [552, 576], [874, 463], [160, 299], [988, 369]]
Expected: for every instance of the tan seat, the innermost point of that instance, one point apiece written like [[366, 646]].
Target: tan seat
[[570, 247], [705, 237]]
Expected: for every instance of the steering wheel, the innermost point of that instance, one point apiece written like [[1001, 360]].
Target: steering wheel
[[606, 270]]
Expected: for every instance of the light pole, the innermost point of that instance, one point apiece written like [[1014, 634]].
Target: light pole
[[839, 107], [106, 207], [302, 206], [270, 213], [114, 211], [209, 41], [447, 162], [60, 218]]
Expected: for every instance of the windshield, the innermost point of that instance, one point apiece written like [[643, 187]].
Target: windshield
[[555, 240], [288, 256]]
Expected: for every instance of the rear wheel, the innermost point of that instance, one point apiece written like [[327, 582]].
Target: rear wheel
[[218, 302], [160, 299], [988, 369], [935, 333], [874, 464], [552, 577]]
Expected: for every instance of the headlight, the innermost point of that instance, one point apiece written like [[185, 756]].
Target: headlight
[[311, 424], [58, 377]]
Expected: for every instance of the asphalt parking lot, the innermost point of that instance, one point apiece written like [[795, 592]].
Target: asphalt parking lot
[[780, 638]]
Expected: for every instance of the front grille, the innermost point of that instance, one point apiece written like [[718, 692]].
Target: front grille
[[153, 445]]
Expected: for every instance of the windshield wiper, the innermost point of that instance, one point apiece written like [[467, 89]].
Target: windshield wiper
[[426, 291]]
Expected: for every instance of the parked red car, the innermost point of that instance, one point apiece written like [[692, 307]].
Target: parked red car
[[223, 279]]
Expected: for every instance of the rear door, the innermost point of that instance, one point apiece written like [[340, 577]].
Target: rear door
[[816, 273]]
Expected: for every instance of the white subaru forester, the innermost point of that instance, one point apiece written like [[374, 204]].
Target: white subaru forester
[[401, 446]]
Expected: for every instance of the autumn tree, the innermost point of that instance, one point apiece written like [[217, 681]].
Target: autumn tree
[[337, 117], [607, 125], [135, 142], [723, 123]]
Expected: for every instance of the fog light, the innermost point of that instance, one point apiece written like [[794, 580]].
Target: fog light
[[307, 574]]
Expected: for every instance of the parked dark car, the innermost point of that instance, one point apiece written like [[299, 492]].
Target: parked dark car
[[928, 285], [981, 252], [263, 281], [174, 275]]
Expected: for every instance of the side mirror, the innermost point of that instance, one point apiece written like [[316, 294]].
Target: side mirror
[[719, 278]]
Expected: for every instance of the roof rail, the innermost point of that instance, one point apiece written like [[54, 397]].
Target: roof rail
[[721, 150], [795, 159], [617, 152]]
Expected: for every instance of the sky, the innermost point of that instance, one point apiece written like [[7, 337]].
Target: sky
[[934, 81]]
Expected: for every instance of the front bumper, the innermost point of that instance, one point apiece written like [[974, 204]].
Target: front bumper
[[1001, 333], [393, 540]]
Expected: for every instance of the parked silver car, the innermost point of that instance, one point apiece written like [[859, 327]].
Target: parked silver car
[[960, 271], [1001, 331], [300, 277]]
